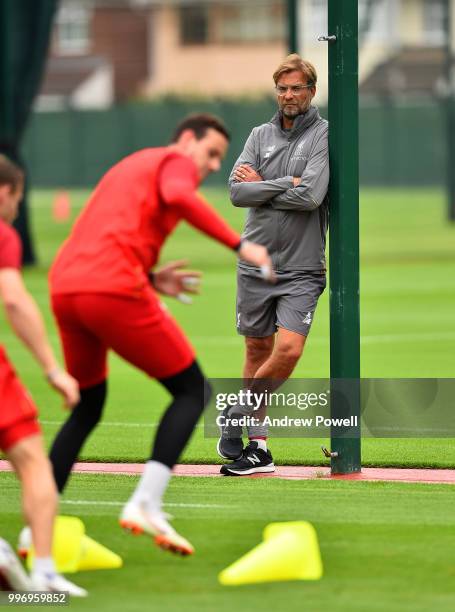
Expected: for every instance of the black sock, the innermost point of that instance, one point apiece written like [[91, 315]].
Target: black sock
[[75, 431], [191, 393]]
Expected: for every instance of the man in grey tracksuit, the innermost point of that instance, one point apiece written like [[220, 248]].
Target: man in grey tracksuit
[[282, 177]]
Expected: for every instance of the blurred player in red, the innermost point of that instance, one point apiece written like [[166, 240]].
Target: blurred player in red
[[103, 298], [20, 435]]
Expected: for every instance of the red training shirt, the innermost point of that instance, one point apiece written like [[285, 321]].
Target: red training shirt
[[136, 205], [10, 247]]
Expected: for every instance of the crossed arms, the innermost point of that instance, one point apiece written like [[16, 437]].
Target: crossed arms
[[303, 193]]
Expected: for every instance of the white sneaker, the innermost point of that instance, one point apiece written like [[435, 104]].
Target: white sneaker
[[55, 583], [24, 542], [136, 519], [12, 574]]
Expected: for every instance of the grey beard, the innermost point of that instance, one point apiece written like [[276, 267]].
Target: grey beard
[[291, 115], [294, 115]]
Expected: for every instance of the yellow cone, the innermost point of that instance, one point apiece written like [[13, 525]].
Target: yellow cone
[[96, 556], [290, 551], [68, 533], [73, 551]]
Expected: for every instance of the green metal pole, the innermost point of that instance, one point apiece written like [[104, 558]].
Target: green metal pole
[[450, 107], [344, 230], [293, 38]]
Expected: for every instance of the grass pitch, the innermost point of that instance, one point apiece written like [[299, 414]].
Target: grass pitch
[[407, 324], [384, 546]]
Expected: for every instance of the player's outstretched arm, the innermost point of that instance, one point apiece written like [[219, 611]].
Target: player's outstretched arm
[[26, 320], [178, 190]]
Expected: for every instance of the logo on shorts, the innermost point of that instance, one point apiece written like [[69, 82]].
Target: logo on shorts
[[238, 319], [307, 319]]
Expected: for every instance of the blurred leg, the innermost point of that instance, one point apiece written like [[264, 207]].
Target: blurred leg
[[39, 493], [75, 431]]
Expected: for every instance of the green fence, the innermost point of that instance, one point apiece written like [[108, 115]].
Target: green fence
[[399, 145]]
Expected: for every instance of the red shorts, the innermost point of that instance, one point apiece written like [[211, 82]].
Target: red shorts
[[18, 413], [138, 329]]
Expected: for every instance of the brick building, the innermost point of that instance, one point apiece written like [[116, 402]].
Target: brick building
[[106, 51]]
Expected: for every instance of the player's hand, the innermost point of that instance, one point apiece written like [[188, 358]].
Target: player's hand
[[258, 256], [172, 281], [296, 180], [66, 385], [246, 174]]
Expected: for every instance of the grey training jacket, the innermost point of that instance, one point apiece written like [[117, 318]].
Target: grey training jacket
[[290, 221]]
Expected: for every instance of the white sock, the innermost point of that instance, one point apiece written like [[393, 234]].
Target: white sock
[[43, 565], [152, 485], [262, 444]]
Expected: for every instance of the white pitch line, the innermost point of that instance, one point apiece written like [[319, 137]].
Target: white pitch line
[[386, 338], [114, 424], [376, 339], [81, 502], [109, 423], [223, 341], [218, 340]]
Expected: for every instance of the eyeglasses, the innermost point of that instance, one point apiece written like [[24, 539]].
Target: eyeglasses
[[281, 90]]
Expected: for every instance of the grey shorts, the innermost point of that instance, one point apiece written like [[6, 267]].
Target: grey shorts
[[290, 303]]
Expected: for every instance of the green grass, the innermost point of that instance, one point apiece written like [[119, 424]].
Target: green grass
[[407, 323], [384, 546]]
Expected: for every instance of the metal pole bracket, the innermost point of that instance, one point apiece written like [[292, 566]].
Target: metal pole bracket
[[328, 453]]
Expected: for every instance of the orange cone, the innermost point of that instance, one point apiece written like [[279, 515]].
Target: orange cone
[[61, 207]]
